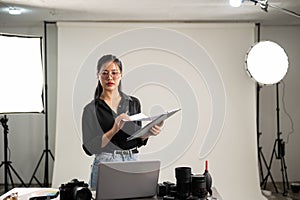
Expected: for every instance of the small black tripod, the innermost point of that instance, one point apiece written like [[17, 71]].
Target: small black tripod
[[7, 164], [280, 144]]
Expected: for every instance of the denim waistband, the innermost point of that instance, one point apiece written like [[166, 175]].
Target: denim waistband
[[116, 154], [122, 151]]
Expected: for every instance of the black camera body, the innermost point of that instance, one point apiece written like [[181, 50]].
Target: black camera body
[[75, 190]]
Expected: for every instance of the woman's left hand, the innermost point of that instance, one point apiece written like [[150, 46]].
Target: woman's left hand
[[155, 130]]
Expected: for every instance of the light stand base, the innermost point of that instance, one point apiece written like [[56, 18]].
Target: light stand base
[[279, 156], [264, 181], [6, 163], [46, 180], [9, 166]]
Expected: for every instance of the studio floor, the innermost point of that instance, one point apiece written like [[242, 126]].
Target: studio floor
[[279, 196]]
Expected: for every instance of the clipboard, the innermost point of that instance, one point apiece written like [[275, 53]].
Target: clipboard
[[157, 120]]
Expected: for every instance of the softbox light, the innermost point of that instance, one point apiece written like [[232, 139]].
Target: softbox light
[[267, 62], [21, 74]]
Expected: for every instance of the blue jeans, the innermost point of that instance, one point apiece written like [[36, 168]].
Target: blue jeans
[[107, 157]]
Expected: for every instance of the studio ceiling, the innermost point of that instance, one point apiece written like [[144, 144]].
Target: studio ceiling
[[37, 11]]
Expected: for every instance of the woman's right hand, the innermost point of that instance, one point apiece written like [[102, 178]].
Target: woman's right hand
[[120, 121]]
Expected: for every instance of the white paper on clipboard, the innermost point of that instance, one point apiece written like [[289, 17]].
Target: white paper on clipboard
[[156, 120]]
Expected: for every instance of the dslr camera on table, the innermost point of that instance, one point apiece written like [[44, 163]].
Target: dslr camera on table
[[75, 190]]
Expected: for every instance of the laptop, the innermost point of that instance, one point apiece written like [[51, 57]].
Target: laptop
[[125, 180]]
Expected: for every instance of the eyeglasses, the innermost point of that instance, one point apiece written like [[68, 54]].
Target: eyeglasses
[[114, 74]]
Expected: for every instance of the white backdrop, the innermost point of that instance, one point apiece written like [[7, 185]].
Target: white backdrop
[[197, 67]]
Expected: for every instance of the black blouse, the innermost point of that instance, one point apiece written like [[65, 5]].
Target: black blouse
[[98, 118]]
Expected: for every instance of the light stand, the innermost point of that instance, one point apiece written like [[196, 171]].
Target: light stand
[[261, 156], [46, 151], [280, 144], [264, 5], [267, 64], [6, 163]]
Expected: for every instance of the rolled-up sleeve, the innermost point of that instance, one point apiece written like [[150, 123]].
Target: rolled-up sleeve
[[91, 130]]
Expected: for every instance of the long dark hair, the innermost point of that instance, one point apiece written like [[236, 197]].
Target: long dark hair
[[101, 63]]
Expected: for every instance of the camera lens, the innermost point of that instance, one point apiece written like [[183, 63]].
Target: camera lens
[[183, 182], [199, 186], [82, 193]]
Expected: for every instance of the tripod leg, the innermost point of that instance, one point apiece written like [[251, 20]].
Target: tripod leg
[[10, 176], [37, 166], [35, 170], [40, 184], [20, 179], [269, 170], [260, 165], [284, 176], [46, 174], [273, 183], [265, 162], [51, 154], [264, 181], [269, 173], [283, 179]]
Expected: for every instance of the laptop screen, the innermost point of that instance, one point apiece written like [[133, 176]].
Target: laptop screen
[[132, 179]]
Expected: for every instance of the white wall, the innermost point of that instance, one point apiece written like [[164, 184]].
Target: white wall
[[289, 98], [179, 82]]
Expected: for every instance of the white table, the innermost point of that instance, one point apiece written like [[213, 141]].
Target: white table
[[26, 193]]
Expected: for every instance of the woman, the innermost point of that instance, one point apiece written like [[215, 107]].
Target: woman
[[105, 121]]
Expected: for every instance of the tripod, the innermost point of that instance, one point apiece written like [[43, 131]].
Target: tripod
[[261, 156], [7, 164], [280, 144], [46, 151]]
